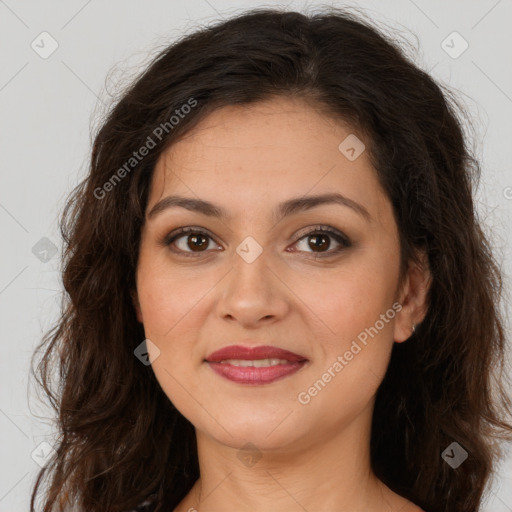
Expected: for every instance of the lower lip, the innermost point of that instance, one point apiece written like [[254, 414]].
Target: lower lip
[[253, 375]]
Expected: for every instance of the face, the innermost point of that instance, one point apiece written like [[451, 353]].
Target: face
[[317, 279]]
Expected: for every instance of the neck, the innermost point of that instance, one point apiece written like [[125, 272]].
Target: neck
[[330, 473]]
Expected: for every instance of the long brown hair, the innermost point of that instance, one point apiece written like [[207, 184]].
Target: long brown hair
[[121, 439]]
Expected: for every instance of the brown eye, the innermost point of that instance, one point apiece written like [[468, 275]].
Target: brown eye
[[321, 240], [188, 241], [197, 242]]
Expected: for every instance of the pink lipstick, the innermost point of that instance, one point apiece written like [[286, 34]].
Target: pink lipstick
[[254, 365]]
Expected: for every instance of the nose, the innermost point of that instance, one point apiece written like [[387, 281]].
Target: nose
[[253, 294]]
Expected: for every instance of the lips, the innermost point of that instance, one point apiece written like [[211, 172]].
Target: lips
[[253, 353], [254, 365]]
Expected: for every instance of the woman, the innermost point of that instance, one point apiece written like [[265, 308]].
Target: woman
[[280, 297]]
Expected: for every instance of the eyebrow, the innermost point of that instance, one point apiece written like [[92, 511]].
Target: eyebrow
[[289, 207]]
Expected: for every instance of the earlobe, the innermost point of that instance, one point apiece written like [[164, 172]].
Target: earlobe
[[136, 305], [414, 299]]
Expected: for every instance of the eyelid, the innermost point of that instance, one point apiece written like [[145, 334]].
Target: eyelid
[[323, 228]]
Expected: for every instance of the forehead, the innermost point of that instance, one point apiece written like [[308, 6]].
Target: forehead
[[284, 126], [248, 156]]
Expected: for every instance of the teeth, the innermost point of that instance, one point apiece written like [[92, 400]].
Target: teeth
[[257, 363]]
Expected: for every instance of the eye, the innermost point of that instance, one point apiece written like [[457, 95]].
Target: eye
[[189, 240], [320, 240]]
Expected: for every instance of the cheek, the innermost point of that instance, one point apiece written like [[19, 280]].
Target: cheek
[[356, 310], [170, 301], [348, 300], [355, 351], [168, 297]]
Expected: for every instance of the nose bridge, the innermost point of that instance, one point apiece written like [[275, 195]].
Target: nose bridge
[[250, 277], [252, 291]]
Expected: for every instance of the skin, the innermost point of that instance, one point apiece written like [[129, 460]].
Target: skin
[[312, 456]]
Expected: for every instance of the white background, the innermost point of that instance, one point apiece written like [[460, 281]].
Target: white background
[[48, 107]]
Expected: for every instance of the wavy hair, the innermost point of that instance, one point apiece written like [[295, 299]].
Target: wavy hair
[[120, 438]]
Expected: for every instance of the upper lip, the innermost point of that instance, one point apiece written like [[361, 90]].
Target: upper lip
[[253, 353]]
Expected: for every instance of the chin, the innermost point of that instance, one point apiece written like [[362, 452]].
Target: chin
[[265, 432]]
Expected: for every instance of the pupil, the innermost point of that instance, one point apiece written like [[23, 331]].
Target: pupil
[[317, 244], [195, 243]]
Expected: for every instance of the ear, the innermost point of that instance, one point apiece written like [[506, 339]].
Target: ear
[[412, 296], [136, 305]]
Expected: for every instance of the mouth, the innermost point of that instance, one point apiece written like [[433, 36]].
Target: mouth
[[254, 365]]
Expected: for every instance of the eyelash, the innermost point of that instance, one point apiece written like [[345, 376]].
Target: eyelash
[[339, 237]]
